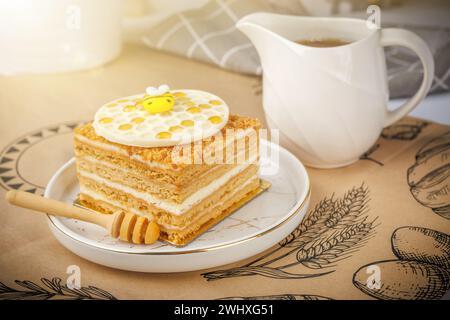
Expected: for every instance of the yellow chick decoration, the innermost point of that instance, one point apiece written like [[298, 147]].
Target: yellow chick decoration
[[158, 100]]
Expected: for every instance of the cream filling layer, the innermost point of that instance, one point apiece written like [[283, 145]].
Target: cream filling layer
[[174, 208], [99, 197], [168, 186], [113, 148], [108, 147], [119, 168]]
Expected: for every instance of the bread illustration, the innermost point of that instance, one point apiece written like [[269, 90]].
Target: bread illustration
[[405, 280], [422, 245], [429, 177]]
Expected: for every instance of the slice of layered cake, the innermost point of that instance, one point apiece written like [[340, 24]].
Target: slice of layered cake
[[176, 157]]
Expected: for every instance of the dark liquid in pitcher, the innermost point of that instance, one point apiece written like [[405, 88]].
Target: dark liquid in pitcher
[[323, 43]]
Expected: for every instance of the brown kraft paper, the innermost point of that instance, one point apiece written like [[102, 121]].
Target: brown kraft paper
[[388, 213]]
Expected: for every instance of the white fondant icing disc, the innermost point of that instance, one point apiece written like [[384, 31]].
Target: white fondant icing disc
[[195, 115]]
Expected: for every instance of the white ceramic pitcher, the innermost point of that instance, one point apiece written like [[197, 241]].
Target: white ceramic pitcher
[[330, 104]]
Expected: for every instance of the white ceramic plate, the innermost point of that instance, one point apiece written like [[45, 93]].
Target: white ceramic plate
[[255, 227]]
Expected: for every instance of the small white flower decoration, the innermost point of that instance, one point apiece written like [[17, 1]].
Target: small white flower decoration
[[153, 91]]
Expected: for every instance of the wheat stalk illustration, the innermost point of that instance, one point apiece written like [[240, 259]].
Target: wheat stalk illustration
[[330, 213], [332, 231], [326, 251], [51, 289]]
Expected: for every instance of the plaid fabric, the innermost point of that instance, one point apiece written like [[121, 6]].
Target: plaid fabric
[[208, 34]]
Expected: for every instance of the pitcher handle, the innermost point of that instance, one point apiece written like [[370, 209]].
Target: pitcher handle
[[408, 39]]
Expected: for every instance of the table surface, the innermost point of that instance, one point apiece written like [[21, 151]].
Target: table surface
[[36, 118]]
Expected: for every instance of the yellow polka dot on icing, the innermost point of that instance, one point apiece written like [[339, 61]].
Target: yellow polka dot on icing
[[204, 106], [138, 120], [190, 104], [122, 100], [187, 123], [106, 120], [194, 110], [112, 105], [215, 102], [164, 135], [179, 94], [125, 126], [129, 108], [166, 114], [175, 129], [215, 119]]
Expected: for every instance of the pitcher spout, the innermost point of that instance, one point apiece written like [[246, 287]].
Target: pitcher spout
[[261, 29], [253, 25]]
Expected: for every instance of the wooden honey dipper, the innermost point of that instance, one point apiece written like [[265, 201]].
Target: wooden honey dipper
[[126, 226]]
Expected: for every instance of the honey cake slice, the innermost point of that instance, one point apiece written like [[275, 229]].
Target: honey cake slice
[[183, 198]]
